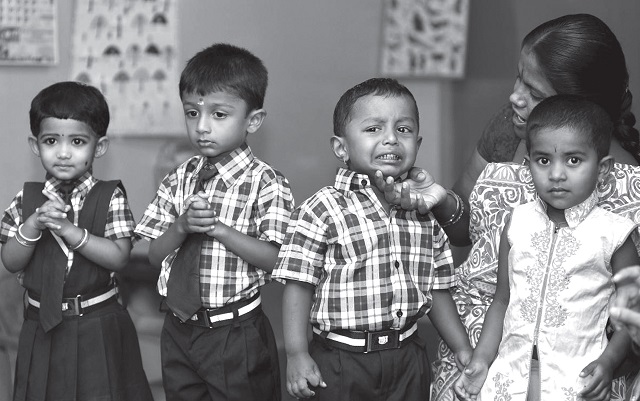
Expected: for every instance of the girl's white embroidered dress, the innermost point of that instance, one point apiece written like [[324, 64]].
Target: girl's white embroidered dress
[[560, 289]]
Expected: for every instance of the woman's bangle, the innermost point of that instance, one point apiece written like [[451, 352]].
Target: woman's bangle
[[83, 241], [24, 240], [457, 214]]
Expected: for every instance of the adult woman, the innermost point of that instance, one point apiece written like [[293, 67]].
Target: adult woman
[[575, 54]]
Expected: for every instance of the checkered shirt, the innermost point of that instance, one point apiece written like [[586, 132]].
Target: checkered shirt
[[120, 222], [372, 270], [248, 195]]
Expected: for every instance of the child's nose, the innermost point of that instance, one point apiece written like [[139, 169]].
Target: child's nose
[[203, 126], [64, 152], [390, 137]]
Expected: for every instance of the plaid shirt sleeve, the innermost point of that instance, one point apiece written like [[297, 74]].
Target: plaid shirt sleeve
[[274, 205], [444, 270], [161, 212], [120, 222], [11, 219], [302, 255]]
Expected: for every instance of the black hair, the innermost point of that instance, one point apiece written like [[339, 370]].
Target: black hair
[[228, 68], [575, 112], [70, 100], [375, 86], [578, 54]]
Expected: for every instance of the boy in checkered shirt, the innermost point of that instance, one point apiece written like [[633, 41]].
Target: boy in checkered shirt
[[362, 271], [235, 208]]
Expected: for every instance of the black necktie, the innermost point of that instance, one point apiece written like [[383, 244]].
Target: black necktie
[[53, 276], [183, 286]]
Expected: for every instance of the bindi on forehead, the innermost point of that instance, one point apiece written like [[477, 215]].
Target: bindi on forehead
[[200, 102]]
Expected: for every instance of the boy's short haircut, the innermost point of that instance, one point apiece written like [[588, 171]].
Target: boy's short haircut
[[386, 87], [575, 112], [226, 68], [70, 100]]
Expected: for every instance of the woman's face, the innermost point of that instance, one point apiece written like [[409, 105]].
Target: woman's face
[[530, 88]]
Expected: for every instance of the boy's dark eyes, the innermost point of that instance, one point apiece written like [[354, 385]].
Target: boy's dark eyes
[[78, 141], [192, 113], [49, 141]]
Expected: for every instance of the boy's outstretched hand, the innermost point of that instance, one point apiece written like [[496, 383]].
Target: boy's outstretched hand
[[303, 372], [596, 379], [468, 385], [419, 191]]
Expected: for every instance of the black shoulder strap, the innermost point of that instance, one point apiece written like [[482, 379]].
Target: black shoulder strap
[[96, 205], [32, 198]]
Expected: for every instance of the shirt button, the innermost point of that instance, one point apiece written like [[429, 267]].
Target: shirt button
[[399, 313], [364, 183], [397, 264]]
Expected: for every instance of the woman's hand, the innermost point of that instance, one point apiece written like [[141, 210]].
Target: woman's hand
[[418, 191]]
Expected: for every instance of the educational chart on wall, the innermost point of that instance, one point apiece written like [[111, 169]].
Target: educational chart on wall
[[128, 49], [424, 38], [28, 32]]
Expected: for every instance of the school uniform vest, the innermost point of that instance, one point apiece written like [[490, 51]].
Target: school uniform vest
[[560, 288], [85, 276]]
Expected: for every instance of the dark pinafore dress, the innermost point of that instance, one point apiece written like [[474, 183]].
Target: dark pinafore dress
[[95, 356]]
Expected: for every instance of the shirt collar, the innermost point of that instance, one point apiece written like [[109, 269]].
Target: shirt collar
[[348, 180], [232, 166], [81, 184], [575, 214]]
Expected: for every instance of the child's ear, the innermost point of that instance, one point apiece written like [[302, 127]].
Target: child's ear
[[340, 148], [101, 147], [256, 117], [605, 165], [33, 144]]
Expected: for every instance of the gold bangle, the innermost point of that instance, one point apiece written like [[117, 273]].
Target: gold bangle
[[83, 241], [457, 214]]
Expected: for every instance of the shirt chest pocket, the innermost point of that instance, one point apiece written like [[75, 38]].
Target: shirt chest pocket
[[362, 241]]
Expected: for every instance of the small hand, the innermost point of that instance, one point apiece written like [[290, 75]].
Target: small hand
[[199, 217], [303, 373], [625, 311], [596, 379], [470, 382], [53, 214]]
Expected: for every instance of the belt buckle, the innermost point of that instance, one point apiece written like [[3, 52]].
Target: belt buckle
[[200, 318], [73, 305], [382, 340]]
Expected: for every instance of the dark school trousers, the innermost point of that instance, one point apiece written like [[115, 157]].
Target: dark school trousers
[[238, 361], [401, 374]]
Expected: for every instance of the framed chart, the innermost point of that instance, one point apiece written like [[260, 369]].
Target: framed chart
[[128, 50], [28, 32], [424, 38]]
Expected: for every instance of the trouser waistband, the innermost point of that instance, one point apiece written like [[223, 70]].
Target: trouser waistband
[[367, 341], [227, 314]]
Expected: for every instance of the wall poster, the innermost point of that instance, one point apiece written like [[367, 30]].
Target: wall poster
[[424, 38], [128, 49], [28, 32]]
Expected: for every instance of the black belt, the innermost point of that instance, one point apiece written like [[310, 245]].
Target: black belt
[[225, 315], [81, 304], [367, 341]]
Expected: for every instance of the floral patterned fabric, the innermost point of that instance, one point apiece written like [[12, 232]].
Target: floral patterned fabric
[[498, 190]]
